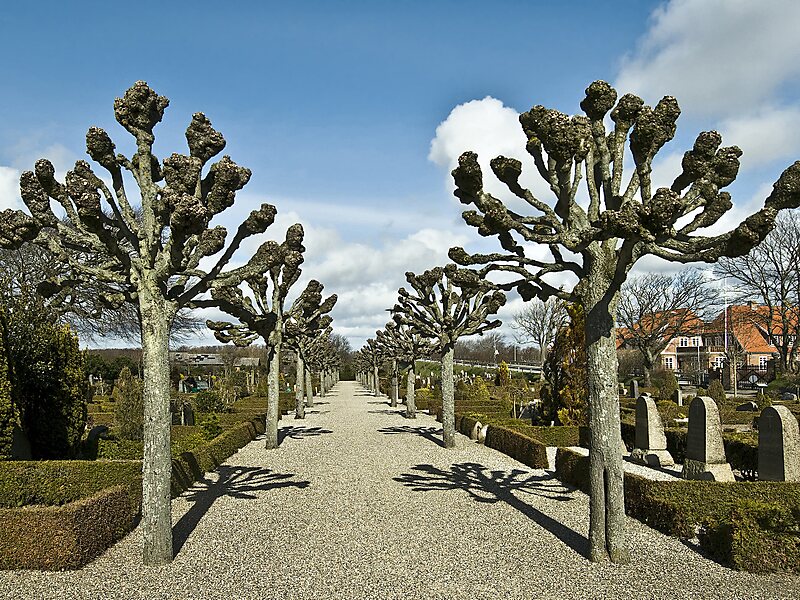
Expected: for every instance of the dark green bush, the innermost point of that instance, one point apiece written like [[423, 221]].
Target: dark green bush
[[209, 401], [759, 537], [129, 406], [716, 392]]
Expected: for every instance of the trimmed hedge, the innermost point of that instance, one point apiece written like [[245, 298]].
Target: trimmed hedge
[[57, 482], [758, 537], [71, 510], [67, 537], [61, 514], [190, 466], [733, 518], [520, 447]]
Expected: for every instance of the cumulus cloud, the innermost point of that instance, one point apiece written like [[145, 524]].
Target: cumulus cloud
[[716, 55], [488, 128], [9, 188]]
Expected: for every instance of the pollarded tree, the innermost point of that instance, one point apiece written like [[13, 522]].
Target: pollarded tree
[[410, 346], [387, 345], [261, 312], [303, 322], [371, 354], [655, 308], [150, 254], [448, 303], [598, 238]]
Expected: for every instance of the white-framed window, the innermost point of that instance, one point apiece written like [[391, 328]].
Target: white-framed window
[[718, 362], [696, 341], [669, 363], [762, 362], [683, 342]]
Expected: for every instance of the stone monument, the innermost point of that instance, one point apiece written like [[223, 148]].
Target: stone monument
[[651, 443], [778, 445], [705, 452]]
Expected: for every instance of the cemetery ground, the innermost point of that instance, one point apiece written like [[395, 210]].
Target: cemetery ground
[[360, 502]]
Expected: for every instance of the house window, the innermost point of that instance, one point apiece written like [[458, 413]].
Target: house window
[[695, 341], [683, 342], [718, 362], [762, 363], [669, 363]]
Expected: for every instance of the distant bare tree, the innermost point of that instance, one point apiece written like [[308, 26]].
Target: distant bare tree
[[655, 308], [770, 275], [539, 322]]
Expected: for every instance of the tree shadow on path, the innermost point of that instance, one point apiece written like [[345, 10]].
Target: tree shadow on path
[[298, 433], [237, 482], [490, 486], [429, 433]]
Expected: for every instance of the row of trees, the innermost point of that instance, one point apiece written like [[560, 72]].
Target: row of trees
[[155, 252], [595, 239]]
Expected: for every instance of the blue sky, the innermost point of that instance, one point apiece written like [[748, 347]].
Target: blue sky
[[335, 105]]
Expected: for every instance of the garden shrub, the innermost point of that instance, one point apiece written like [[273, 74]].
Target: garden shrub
[[9, 419], [716, 392], [211, 426], [45, 369], [129, 405], [520, 447], [209, 401], [478, 392], [667, 385]]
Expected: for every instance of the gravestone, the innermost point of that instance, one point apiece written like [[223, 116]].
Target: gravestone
[[651, 443], [789, 397], [187, 415], [778, 445], [705, 453], [747, 407], [678, 397], [475, 431], [634, 388], [622, 390]]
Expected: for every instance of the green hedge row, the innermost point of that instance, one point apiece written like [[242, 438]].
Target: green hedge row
[[57, 482], [67, 537], [73, 510], [190, 466], [734, 519], [515, 444]]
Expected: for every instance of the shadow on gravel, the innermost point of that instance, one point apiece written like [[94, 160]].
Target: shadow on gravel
[[236, 482], [388, 411], [298, 433], [317, 412], [489, 486], [429, 433]]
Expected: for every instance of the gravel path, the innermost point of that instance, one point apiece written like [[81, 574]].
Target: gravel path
[[359, 502]]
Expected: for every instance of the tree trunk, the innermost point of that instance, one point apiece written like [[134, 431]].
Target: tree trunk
[[273, 399], [411, 405], [156, 316], [377, 380], [607, 499], [309, 389], [300, 406], [448, 400], [394, 392], [649, 362]]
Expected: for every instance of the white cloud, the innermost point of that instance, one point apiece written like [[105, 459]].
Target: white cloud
[[765, 136], [716, 56], [9, 189]]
